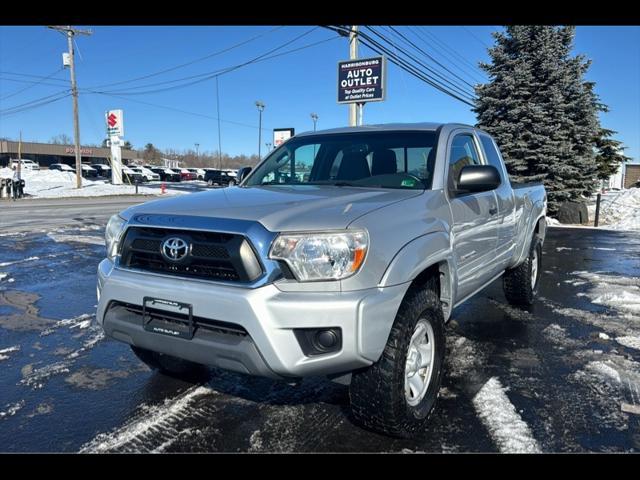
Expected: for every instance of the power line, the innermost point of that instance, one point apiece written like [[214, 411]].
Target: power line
[[170, 69], [429, 56], [450, 84], [210, 75], [481, 42], [380, 49], [450, 53], [34, 101], [415, 71], [31, 86], [33, 105], [177, 110]]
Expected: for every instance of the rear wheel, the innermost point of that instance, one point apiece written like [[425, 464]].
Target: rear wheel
[[396, 395], [520, 284], [170, 365]]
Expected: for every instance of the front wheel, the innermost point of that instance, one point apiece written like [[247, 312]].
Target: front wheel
[[396, 395], [520, 284]]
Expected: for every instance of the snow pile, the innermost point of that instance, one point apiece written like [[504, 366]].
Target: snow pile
[[500, 417], [621, 211], [56, 184]]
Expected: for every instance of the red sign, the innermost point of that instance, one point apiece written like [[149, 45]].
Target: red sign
[[85, 151], [112, 120]]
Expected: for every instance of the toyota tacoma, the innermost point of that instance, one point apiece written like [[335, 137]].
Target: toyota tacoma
[[343, 253]]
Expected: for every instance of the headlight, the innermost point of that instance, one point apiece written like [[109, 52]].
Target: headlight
[[322, 256], [112, 233]]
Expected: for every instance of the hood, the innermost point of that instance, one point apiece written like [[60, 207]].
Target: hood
[[281, 208]]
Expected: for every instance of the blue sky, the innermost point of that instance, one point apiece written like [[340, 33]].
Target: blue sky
[[292, 86]]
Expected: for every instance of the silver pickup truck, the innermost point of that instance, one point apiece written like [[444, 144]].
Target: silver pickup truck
[[342, 254]]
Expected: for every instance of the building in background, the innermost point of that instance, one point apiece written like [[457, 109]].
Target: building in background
[[47, 153], [631, 175]]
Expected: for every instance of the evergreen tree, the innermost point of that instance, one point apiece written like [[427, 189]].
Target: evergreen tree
[[541, 111], [609, 154]]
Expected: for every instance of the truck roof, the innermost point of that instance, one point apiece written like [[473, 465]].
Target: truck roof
[[385, 127]]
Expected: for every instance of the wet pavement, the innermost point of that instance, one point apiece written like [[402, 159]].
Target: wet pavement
[[562, 376]]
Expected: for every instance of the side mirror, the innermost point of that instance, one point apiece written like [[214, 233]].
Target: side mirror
[[478, 178], [242, 173]]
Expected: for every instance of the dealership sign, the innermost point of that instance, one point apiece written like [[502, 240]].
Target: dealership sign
[[362, 80], [115, 123], [281, 135]]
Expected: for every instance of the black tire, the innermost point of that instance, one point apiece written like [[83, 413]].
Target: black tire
[[170, 365], [377, 394], [519, 288]]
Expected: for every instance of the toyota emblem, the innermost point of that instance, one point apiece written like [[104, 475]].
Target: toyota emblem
[[175, 249]]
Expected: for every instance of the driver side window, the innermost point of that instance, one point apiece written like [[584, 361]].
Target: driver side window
[[462, 153]]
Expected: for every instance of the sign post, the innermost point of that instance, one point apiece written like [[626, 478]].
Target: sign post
[[361, 81], [115, 131], [281, 135]]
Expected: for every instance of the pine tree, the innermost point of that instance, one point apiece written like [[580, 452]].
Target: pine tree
[[541, 111], [609, 155]]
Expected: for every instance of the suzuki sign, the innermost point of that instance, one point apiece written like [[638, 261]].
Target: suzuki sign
[[115, 123]]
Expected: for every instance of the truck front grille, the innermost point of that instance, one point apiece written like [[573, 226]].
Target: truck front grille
[[209, 256]]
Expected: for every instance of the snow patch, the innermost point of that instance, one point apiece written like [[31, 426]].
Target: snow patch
[[158, 418], [499, 416], [11, 409], [627, 341], [93, 240], [30, 259], [57, 184], [5, 351]]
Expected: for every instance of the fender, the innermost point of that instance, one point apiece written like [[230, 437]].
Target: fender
[[418, 255], [412, 259], [522, 253]]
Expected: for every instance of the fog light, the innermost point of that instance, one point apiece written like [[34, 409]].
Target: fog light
[[318, 341], [326, 339]]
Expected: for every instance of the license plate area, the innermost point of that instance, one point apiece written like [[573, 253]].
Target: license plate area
[[168, 317]]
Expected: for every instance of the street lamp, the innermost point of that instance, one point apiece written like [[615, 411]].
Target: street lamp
[[260, 106], [197, 149], [314, 117], [268, 144]]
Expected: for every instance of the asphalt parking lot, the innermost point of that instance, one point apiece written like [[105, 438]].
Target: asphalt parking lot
[[563, 376]]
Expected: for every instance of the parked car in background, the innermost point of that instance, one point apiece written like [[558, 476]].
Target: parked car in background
[[218, 177], [185, 174], [200, 172], [131, 176], [25, 164], [147, 175], [166, 174], [62, 167], [89, 172], [104, 171]]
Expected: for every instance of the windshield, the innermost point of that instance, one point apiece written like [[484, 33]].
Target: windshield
[[363, 159]]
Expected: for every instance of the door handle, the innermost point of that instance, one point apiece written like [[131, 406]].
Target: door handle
[[493, 211]]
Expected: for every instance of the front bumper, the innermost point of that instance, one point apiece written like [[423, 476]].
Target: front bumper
[[268, 314]]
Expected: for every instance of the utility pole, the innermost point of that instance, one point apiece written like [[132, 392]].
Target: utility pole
[[70, 33], [260, 106], [353, 55], [197, 150], [218, 110], [314, 117]]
